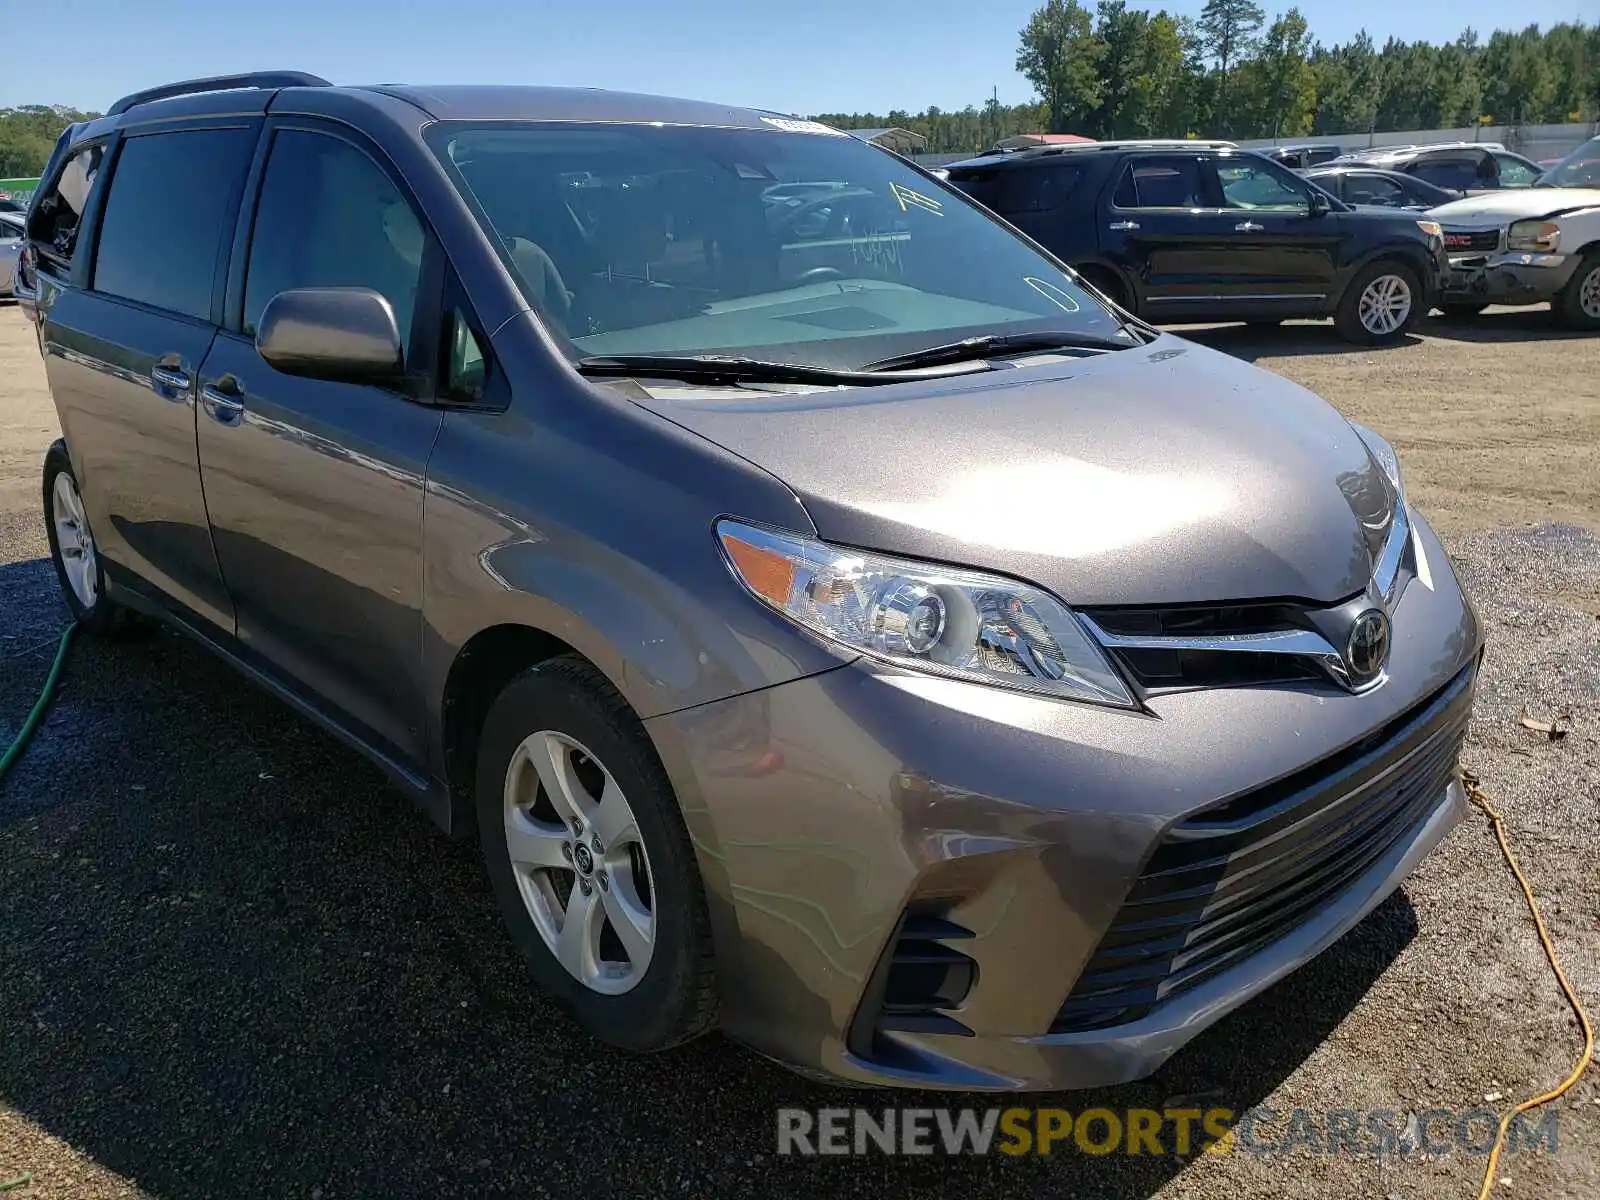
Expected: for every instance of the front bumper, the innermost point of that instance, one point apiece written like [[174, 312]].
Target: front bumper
[[827, 809], [1507, 278]]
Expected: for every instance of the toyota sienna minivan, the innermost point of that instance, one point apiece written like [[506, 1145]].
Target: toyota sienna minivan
[[839, 625]]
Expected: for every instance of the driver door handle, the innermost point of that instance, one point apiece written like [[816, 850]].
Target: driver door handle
[[223, 400], [1249, 227], [1123, 226]]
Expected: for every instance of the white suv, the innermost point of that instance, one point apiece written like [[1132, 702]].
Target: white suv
[[1529, 245]]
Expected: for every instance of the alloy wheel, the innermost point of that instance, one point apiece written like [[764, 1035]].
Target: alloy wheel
[[580, 862], [1385, 305], [1589, 294], [79, 562]]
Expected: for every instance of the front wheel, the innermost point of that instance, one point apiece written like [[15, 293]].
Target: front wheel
[[1381, 304], [590, 860], [1578, 306]]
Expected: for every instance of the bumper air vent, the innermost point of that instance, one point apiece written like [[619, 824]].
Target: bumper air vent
[[920, 978]]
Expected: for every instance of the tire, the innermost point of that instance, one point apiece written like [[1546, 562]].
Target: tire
[[73, 550], [562, 719], [1578, 306], [1461, 312], [1396, 323]]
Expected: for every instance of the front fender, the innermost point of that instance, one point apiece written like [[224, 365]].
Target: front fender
[[593, 524]]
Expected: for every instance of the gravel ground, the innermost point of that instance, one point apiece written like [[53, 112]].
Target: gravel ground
[[234, 962]]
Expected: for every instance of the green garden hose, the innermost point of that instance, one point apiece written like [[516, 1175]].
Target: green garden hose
[[20, 743]]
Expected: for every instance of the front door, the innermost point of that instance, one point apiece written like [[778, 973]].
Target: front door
[[314, 487], [123, 353], [1281, 248], [1162, 226]]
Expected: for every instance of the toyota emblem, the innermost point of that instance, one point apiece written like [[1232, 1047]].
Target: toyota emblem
[[1368, 648]]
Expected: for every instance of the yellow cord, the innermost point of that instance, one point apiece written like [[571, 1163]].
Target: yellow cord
[[1478, 797]]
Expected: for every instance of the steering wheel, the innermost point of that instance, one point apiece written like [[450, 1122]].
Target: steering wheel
[[818, 274]]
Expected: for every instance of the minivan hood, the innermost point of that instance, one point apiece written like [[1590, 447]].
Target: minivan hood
[[1511, 204], [1160, 475]]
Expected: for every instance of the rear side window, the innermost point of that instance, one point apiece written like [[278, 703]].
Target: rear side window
[[1161, 182], [1460, 172], [1361, 188], [172, 200], [1321, 154], [1514, 172], [330, 217]]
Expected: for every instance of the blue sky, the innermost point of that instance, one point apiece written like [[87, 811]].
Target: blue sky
[[800, 56]]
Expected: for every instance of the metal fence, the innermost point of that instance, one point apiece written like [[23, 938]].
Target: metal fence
[[1537, 142]]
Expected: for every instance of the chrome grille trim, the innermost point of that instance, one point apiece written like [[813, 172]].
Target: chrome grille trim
[[1389, 577]]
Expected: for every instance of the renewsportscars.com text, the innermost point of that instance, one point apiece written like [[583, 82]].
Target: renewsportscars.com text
[[1148, 1131]]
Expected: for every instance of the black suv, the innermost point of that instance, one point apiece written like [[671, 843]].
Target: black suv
[[1176, 233]]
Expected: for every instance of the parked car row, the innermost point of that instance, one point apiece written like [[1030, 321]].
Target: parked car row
[[1181, 232], [1198, 233], [835, 622]]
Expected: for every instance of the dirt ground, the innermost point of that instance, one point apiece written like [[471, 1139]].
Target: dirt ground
[[240, 965]]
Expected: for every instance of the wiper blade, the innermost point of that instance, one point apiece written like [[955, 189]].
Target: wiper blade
[[735, 368], [1001, 343]]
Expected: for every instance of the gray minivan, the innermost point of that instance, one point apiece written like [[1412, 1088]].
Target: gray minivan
[[838, 623]]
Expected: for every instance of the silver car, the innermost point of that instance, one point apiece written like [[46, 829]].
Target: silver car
[[11, 227], [837, 623]]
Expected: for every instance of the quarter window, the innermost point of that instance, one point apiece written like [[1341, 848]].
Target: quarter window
[[172, 199], [330, 217], [56, 219], [1038, 188], [466, 365]]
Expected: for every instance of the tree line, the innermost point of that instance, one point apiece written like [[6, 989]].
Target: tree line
[[28, 134], [1128, 72]]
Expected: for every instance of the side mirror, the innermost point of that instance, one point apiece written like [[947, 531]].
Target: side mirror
[[1320, 205], [347, 334]]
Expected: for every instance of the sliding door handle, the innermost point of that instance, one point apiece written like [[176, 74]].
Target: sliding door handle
[[170, 383]]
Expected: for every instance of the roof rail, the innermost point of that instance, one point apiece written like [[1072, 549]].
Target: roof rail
[[218, 83]]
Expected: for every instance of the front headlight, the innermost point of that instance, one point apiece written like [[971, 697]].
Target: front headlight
[[1543, 236], [923, 616], [1384, 455], [1432, 228]]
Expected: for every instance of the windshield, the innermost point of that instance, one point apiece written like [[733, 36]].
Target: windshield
[[795, 247], [1581, 168]]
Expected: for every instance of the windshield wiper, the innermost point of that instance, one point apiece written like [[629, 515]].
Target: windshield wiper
[[1000, 343], [731, 368]]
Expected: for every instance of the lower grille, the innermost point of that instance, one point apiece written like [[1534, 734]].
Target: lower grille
[[1229, 881]]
